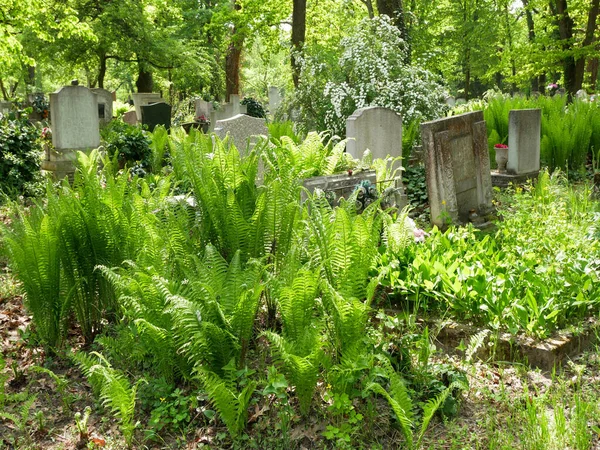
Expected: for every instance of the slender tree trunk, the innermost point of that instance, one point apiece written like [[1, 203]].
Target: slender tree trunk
[[3, 89], [145, 81], [587, 41], [565, 28], [102, 70], [593, 73], [233, 60], [395, 10], [535, 85], [232, 68], [298, 37], [369, 5]]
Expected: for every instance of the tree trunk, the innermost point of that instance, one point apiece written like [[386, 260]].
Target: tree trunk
[[587, 41], [233, 60], [145, 82], [232, 68], [593, 73], [565, 28], [102, 70], [298, 37], [535, 85], [395, 10], [369, 5]]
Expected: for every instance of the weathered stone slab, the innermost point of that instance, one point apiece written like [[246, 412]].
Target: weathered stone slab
[[243, 130], [524, 135], [130, 117], [339, 185], [105, 105], [74, 112], [541, 353], [274, 99], [377, 129], [457, 166]]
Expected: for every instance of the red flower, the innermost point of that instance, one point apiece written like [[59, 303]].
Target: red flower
[[500, 146]]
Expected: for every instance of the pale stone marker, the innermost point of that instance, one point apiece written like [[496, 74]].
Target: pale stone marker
[[274, 99], [457, 165], [524, 136], [242, 129], [203, 107], [130, 117], [5, 107], [377, 129], [105, 105], [144, 98], [74, 113]]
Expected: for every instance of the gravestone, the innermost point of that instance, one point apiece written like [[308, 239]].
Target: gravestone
[[74, 113], [242, 129], [274, 99], [144, 98], [227, 111], [377, 129], [203, 108], [130, 117], [524, 136], [457, 166], [105, 105], [450, 101], [156, 114], [5, 107]]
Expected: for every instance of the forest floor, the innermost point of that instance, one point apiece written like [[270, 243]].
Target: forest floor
[[508, 405]]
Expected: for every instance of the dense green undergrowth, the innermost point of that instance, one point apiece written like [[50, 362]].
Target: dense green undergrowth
[[239, 291]]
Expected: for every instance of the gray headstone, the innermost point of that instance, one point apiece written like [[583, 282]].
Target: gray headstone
[[274, 99], [524, 134], [144, 98], [457, 165], [130, 117], [203, 107], [450, 101], [377, 129], [74, 113], [5, 107], [242, 129], [156, 114], [105, 105]]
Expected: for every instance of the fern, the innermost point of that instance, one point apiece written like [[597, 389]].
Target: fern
[[115, 390], [228, 400], [400, 402]]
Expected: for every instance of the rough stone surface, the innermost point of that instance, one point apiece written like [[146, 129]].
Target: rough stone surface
[[156, 114], [144, 98], [457, 166], [5, 107], [74, 111], [202, 107], [377, 129], [274, 99], [544, 354], [242, 129], [524, 134], [130, 117], [105, 105]]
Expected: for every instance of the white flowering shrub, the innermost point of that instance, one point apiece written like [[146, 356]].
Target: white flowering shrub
[[369, 72]]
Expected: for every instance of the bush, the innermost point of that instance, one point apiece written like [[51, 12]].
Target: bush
[[371, 71], [20, 147], [130, 143], [254, 108]]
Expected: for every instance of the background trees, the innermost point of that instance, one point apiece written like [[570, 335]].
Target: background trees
[[214, 48]]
